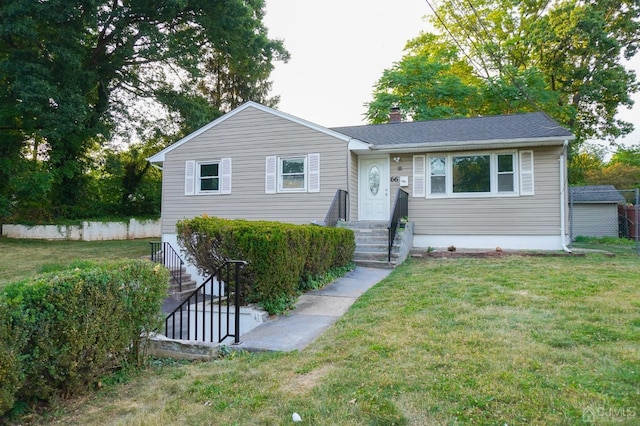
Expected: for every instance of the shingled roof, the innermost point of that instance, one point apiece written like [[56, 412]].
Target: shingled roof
[[480, 130], [599, 194]]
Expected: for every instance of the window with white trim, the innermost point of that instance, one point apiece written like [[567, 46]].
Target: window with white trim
[[475, 174], [207, 177], [437, 175], [300, 173], [506, 175], [292, 174]]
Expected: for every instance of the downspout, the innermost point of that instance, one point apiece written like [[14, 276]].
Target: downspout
[[563, 201], [348, 206]]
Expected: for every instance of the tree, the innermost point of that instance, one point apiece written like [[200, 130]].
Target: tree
[[627, 155], [433, 80], [562, 57], [576, 45], [73, 71], [125, 183], [620, 175], [621, 171], [584, 165]]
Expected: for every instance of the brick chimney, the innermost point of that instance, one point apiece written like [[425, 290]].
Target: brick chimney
[[394, 115]]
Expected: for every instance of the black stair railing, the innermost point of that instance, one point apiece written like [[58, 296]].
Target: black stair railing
[[163, 253], [400, 210], [338, 209], [195, 318]]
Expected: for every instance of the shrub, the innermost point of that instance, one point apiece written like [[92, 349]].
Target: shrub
[[10, 345], [279, 254], [72, 327]]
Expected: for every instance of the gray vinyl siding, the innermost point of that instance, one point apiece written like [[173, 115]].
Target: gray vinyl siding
[[353, 187], [402, 168], [595, 220], [248, 138], [538, 214]]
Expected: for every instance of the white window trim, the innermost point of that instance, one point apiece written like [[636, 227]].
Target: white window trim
[[496, 174], [447, 176], [273, 174], [305, 173], [493, 162], [198, 179], [192, 177]]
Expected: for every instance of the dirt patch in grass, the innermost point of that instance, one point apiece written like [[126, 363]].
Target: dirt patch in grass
[[304, 383]]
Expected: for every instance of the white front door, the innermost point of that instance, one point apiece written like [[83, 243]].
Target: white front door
[[373, 188]]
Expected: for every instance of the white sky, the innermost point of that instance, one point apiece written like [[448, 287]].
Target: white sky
[[339, 49]]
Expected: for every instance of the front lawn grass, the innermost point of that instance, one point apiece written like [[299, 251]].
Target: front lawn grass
[[20, 258], [510, 340]]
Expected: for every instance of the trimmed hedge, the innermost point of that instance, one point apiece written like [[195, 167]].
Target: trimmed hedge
[[10, 375], [280, 255], [61, 332]]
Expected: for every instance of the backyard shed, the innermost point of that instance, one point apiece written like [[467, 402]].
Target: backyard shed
[[594, 211]]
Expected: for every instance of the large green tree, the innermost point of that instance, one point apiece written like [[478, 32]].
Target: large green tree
[[564, 57], [73, 71], [434, 80], [431, 81]]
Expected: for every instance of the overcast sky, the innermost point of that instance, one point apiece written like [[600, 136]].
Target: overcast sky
[[339, 49]]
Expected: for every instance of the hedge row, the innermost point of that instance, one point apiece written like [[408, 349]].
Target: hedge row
[[280, 255], [61, 332]]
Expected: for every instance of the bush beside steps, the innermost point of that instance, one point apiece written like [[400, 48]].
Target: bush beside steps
[[283, 259]]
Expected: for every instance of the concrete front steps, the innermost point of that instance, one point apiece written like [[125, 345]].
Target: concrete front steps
[[372, 248], [177, 295]]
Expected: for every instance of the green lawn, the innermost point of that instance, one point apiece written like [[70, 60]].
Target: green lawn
[[20, 258], [510, 340], [609, 244]]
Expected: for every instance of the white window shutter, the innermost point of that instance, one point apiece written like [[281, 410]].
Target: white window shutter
[[189, 177], [526, 173], [314, 172], [419, 176], [225, 176], [270, 175]]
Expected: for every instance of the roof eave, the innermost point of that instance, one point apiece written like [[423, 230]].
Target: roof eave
[[160, 156], [473, 145], [358, 146]]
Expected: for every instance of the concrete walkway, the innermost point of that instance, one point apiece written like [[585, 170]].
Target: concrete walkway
[[315, 311]]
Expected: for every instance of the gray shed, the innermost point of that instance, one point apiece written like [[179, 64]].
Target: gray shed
[[594, 211]]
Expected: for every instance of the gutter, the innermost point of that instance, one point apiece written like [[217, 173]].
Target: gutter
[[470, 145], [563, 201]]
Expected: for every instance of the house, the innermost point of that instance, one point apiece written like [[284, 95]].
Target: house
[[594, 211], [470, 182]]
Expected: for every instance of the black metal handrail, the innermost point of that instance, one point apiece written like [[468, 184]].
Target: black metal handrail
[[338, 209], [400, 210], [179, 324], [163, 253]]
